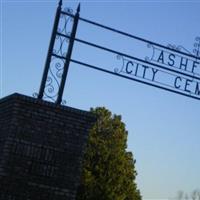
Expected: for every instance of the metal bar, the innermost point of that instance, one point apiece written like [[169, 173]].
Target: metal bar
[[129, 56], [132, 36], [133, 79], [68, 56], [61, 57], [57, 56], [50, 50]]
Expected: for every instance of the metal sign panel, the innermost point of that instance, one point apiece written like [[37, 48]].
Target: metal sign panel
[[166, 67]]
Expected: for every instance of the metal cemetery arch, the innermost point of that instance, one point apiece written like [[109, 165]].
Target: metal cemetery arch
[[183, 68]]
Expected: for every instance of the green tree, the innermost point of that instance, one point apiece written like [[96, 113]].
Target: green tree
[[108, 169]]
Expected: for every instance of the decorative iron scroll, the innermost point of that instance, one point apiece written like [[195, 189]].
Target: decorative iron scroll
[[183, 79], [196, 50], [58, 57], [175, 60], [172, 68], [162, 77], [53, 79], [59, 54]]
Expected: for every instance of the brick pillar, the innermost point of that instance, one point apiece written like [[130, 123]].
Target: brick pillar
[[41, 148]]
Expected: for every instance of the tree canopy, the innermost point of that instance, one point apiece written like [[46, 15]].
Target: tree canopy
[[108, 169]]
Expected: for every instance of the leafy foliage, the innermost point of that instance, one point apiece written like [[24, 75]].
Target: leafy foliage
[[108, 169]]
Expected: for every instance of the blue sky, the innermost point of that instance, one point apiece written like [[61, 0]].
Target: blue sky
[[163, 127]]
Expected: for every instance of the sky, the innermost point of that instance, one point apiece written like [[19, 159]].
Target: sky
[[163, 127]]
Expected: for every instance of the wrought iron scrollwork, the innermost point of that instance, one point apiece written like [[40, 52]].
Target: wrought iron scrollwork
[[35, 95], [149, 59], [195, 52], [64, 29], [53, 79], [58, 56], [119, 70], [65, 21], [68, 10], [61, 45], [57, 64], [179, 48]]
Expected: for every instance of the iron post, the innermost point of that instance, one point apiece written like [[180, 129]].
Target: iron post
[[68, 56], [50, 50]]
